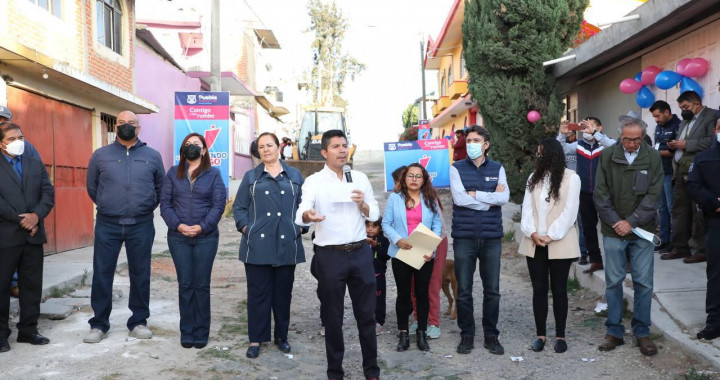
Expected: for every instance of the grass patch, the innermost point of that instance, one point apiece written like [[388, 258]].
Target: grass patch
[[237, 325], [111, 376], [227, 253], [573, 285], [162, 255], [694, 374], [214, 353], [59, 292], [593, 322], [160, 331], [168, 279], [509, 235]]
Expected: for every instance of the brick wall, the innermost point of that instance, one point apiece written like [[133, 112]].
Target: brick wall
[[102, 62]]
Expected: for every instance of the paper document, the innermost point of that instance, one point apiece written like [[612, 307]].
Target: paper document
[[423, 242], [340, 192]]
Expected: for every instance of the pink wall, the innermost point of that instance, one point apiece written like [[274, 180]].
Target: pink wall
[[156, 81]]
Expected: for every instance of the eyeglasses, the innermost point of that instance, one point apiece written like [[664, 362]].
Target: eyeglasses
[[414, 176], [635, 141]]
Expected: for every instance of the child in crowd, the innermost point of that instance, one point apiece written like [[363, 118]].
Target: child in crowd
[[379, 244]]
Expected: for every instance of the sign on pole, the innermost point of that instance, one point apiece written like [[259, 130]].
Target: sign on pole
[[433, 155], [208, 114], [424, 130]]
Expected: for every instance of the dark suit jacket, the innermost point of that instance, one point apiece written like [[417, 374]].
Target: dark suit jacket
[[34, 194], [700, 138]]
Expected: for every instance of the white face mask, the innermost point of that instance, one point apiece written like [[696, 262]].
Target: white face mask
[[588, 136], [15, 148], [717, 135]]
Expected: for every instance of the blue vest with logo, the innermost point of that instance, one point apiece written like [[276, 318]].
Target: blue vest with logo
[[472, 224]]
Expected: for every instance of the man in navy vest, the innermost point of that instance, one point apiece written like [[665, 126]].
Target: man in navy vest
[[479, 189]]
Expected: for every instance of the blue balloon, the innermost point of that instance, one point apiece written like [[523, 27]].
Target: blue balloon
[[667, 79], [645, 98], [689, 84], [638, 76]]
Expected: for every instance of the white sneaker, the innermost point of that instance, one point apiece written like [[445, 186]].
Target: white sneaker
[[433, 332], [94, 336], [413, 328], [378, 329], [140, 332]]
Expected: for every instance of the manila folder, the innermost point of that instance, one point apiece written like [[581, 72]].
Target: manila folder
[[423, 241]]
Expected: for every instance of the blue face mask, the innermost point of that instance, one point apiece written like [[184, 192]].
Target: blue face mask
[[474, 150], [717, 135]]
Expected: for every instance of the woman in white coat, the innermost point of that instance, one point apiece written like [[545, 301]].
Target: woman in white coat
[[550, 239]]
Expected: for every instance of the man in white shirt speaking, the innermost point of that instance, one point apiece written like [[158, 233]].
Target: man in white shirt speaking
[[338, 202]]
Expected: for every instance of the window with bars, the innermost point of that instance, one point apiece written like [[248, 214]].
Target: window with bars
[[108, 126], [571, 106], [442, 84], [52, 6], [109, 24], [450, 74], [462, 66]]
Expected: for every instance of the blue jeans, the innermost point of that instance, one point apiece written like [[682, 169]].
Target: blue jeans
[[467, 253], [193, 258], [581, 236], [14, 281], [666, 204], [109, 238], [641, 269]]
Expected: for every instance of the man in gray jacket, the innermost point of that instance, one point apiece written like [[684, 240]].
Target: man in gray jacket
[[124, 180]]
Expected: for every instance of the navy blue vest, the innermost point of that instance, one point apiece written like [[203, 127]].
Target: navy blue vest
[[472, 224], [588, 158]]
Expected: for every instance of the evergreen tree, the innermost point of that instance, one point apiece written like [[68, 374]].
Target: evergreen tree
[[505, 43]]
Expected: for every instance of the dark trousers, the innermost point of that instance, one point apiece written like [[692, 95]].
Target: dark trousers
[[712, 299], [313, 272], [28, 259], [193, 259], [109, 238], [337, 269], [269, 290], [539, 267], [404, 276], [380, 288], [589, 217], [687, 220]]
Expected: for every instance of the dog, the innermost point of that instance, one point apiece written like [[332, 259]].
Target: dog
[[449, 279]]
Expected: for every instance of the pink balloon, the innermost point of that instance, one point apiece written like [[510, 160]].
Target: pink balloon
[[680, 67], [697, 67], [649, 74], [629, 85], [533, 116]]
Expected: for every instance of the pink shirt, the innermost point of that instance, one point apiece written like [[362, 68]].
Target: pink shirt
[[414, 217]]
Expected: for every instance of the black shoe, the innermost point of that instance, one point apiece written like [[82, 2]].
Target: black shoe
[[560, 346], [403, 341], [493, 345], [283, 345], [662, 246], [253, 352], [666, 249], [200, 345], [538, 345], [4, 345], [422, 343], [708, 333], [187, 344], [583, 261], [34, 339], [466, 345]]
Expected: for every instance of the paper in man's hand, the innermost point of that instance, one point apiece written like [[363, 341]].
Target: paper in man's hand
[[423, 241]]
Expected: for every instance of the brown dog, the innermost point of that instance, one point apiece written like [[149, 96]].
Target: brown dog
[[448, 278]]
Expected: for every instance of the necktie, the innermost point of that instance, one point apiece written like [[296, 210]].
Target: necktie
[[16, 167]]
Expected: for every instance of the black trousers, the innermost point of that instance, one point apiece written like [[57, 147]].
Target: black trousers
[[28, 259], [589, 217], [336, 270], [403, 279], [380, 289], [712, 244], [558, 269], [687, 220], [269, 289]]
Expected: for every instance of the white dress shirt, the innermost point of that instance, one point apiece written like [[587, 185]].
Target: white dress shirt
[[562, 224], [483, 200], [631, 156], [344, 222]]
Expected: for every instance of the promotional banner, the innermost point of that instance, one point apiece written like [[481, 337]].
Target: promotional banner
[[433, 155], [424, 132], [208, 114]]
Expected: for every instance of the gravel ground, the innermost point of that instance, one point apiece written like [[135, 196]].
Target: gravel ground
[[224, 358]]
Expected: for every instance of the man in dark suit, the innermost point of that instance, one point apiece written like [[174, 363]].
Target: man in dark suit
[[26, 198], [694, 136]]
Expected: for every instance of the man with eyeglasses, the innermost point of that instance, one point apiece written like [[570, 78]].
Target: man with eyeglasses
[[696, 135], [627, 192], [479, 189]]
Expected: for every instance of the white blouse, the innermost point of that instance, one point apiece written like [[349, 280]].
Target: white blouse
[[562, 224]]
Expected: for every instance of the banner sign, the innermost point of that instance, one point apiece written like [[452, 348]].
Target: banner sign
[[433, 155], [424, 130], [208, 114]]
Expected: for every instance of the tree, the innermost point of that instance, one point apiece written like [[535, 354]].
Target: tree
[[331, 66], [410, 123], [505, 43]]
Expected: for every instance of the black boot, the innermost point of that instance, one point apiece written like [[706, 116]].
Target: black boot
[[422, 343], [403, 341]]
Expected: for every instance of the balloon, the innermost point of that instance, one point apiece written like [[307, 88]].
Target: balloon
[[533, 116], [667, 79], [645, 98], [637, 77], [680, 67], [628, 86], [648, 75], [697, 67], [688, 84]]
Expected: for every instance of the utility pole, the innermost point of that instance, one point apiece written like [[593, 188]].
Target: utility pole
[[422, 73], [215, 84]]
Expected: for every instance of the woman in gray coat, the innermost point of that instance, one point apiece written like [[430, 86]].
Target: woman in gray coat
[[271, 246]]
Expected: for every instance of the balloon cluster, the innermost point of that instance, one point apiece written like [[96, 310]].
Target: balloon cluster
[[685, 70], [644, 98]]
